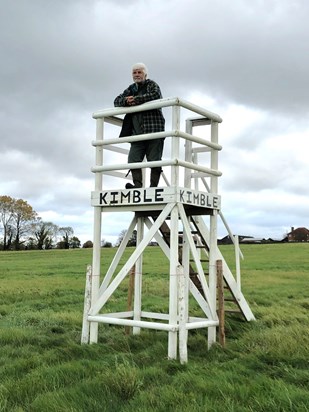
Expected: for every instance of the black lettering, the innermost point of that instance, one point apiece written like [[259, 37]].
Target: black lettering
[[196, 198], [215, 202], [102, 198], [208, 202], [125, 196], [181, 193], [136, 196], [202, 199], [158, 197], [145, 197], [189, 197], [113, 195]]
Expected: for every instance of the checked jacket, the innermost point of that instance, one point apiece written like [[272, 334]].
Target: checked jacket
[[151, 121]]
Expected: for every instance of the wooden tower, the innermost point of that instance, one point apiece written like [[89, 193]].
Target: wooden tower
[[175, 215]]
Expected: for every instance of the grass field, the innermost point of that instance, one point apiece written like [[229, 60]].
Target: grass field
[[43, 367]]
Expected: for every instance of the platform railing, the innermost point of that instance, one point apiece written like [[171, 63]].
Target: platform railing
[[175, 161]]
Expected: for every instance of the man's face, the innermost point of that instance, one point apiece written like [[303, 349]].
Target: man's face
[[138, 75]]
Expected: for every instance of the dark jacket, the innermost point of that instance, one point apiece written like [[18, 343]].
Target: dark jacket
[[151, 121]]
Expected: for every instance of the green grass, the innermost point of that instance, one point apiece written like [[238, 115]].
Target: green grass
[[43, 367]]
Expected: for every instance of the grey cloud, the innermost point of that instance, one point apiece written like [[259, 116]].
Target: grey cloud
[[63, 60]]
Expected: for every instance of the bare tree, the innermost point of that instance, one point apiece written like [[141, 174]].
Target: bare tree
[[131, 241]]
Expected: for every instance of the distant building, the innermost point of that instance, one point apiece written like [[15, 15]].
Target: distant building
[[301, 234]]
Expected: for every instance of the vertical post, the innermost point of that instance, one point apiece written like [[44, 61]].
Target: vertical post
[[221, 315], [130, 294], [96, 258], [184, 298], [188, 154], [138, 276], [175, 146], [174, 239], [87, 303], [173, 290], [183, 314], [213, 234]]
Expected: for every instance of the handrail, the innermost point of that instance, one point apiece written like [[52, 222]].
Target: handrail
[[157, 135], [157, 104], [159, 163]]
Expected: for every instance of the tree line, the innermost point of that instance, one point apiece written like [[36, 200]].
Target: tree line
[[22, 228]]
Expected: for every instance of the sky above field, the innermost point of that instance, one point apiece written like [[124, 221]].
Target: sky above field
[[248, 61]]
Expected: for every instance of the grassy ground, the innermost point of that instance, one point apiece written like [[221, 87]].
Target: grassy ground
[[43, 367]]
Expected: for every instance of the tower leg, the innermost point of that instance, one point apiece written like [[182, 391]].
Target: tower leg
[[212, 274], [173, 293], [96, 269], [87, 303], [138, 277], [183, 314]]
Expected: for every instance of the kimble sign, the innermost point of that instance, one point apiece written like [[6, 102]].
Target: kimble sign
[[152, 195]]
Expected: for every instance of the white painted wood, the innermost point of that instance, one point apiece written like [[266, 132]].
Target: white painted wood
[[87, 303], [156, 104], [213, 234], [118, 256], [96, 257], [238, 275], [175, 203], [173, 287], [160, 163], [172, 328], [138, 276], [228, 276], [152, 196], [182, 310], [197, 262], [98, 304], [200, 300]]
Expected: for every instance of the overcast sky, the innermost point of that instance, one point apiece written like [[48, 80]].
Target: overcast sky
[[246, 60]]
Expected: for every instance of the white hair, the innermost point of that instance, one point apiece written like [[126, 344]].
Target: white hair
[[140, 66]]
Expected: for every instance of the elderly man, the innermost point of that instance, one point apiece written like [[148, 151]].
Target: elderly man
[[141, 91]]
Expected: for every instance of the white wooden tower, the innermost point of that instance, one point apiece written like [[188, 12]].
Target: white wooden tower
[[172, 213]]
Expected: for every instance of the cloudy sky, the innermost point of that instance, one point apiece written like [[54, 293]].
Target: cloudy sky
[[246, 60]]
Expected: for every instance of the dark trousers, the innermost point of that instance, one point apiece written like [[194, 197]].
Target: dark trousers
[[153, 150]]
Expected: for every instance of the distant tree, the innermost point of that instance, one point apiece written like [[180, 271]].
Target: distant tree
[[6, 217], [104, 243], [23, 216], [75, 242], [44, 234], [88, 245], [120, 237], [66, 232], [131, 241]]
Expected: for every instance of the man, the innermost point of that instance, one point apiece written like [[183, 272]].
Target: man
[[141, 91]]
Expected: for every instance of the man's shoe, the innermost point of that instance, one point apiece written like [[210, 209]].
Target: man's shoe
[[135, 186]]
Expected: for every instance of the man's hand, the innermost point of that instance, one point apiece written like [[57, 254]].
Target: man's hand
[[130, 101]]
